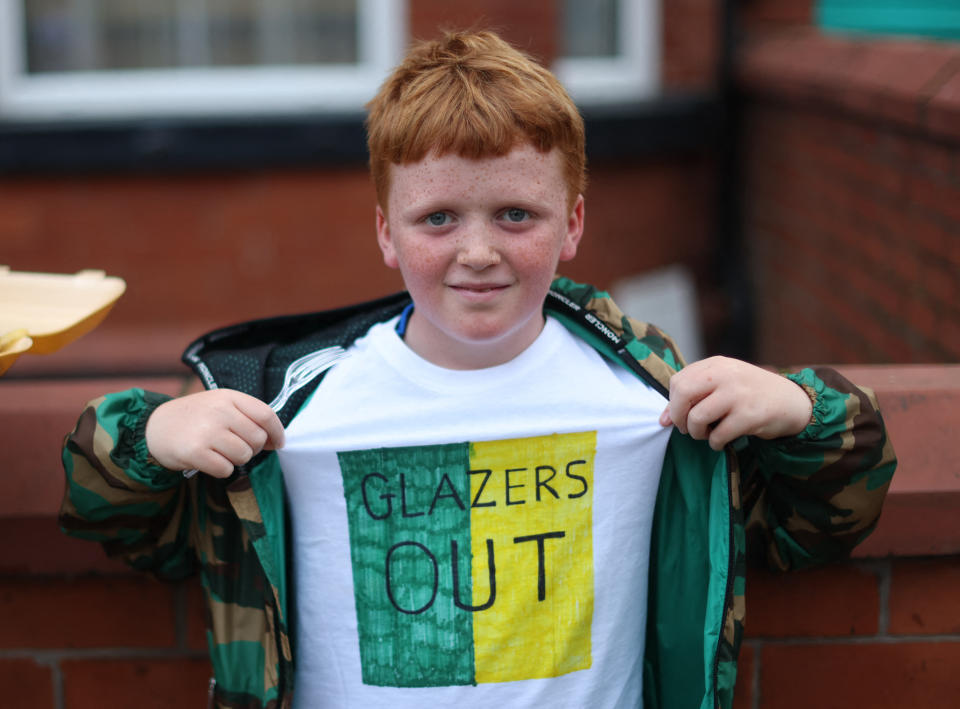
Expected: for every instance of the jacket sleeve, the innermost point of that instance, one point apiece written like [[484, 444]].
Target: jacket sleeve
[[116, 495], [813, 497]]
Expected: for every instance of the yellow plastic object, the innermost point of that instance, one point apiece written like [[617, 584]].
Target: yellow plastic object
[[42, 312], [12, 345]]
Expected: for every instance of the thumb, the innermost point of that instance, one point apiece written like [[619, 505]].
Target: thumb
[[665, 419]]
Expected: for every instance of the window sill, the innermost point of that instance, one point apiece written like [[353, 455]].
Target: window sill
[[679, 122]]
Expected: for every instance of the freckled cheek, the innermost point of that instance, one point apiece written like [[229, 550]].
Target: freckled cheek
[[534, 258], [423, 265]]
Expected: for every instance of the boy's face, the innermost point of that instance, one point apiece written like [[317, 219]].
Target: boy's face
[[477, 243]]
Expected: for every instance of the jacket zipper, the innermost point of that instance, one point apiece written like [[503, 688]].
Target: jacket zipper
[[728, 590]]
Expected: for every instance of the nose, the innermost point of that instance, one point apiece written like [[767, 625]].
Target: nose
[[477, 250]]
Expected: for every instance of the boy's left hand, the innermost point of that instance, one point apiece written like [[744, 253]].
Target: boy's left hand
[[720, 399]]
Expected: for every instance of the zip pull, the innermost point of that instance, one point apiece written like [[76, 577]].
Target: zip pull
[[211, 690]]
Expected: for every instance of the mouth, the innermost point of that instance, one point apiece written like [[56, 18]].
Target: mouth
[[479, 290]]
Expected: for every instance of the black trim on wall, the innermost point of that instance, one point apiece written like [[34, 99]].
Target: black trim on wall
[[664, 126]]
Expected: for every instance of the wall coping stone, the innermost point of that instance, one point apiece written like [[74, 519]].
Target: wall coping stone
[[913, 83], [920, 404]]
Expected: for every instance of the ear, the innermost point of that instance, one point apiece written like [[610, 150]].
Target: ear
[[574, 230], [384, 240]]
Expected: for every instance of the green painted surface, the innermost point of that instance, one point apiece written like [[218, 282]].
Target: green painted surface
[[930, 18], [405, 506]]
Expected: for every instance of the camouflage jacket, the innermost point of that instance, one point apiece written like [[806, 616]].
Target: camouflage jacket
[[800, 500]]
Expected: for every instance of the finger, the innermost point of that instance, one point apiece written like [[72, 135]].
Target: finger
[[248, 430], [725, 431], [265, 418], [665, 419], [212, 463], [687, 389], [233, 448], [707, 414], [678, 406]]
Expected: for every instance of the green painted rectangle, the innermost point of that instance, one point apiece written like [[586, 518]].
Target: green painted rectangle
[[407, 508]]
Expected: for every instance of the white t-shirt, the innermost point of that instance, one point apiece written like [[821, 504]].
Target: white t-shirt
[[472, 538]]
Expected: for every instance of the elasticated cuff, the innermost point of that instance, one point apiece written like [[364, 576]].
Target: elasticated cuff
[[814, 388]]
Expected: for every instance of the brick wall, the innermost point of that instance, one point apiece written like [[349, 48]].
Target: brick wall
[[883, 634], [852, 195], [80, 628], [104, 641], [880, 634]]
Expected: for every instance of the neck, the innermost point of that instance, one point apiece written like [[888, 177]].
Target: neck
[[452, 353]]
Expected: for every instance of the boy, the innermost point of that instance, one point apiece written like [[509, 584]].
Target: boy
[[506, 493]]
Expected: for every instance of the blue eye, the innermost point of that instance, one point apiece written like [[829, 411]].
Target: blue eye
[[437, 218], [516, 215]]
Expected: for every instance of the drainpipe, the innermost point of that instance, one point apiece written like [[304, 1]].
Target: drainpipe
[[737, 337]]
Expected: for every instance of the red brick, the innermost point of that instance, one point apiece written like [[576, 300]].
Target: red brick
[[950, 336], [690, 43], [942, 283], [85, 613], [802, 333], [932, 157], [196, 616], [35, 415], [743, 692], [833, 160], [876, 290], [840, 311], [802, 67], [943, 110], [141, 683], [531, 26], [834, 601], [939, 198], [953, 250], [230, 237], [26, 684], [50, 551], [918, 404], [894, 78], [921, 318], [913, 523], [923, 597], [930, 235], [841, 676], [115, 349], [779, 12]]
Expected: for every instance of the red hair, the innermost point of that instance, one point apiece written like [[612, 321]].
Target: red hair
[[471, 94]]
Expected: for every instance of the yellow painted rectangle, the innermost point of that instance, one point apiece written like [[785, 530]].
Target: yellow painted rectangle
[[533, 497]]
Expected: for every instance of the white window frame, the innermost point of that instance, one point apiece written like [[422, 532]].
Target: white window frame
[[632, 75], [333, 88]]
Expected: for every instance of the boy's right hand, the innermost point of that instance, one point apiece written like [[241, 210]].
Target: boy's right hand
[[211, 431]]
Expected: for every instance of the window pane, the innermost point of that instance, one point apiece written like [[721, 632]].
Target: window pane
[[325, 34], [130, 34], [589, 28], [232, 32], [89, 35]]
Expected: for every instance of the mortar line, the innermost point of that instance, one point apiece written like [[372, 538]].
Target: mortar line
[[56, 679], [883, 591]]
